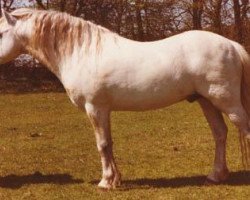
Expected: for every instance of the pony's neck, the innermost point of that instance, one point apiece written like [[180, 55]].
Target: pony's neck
[[45, 58]]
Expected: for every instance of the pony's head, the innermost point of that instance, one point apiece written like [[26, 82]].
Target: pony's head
[[10, 44]]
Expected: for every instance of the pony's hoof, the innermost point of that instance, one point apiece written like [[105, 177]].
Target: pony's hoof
[[110, 184], [209, 182], [104, 185], [217, 178], [117, 181]]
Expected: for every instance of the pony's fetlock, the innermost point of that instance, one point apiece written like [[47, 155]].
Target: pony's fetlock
[[218, 176]]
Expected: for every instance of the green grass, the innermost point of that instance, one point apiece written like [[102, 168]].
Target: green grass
[[163, 154]]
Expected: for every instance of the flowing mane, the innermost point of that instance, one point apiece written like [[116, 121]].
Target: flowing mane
[[56, 34]]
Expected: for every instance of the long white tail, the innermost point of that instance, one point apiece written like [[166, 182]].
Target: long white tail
[[245, 98]]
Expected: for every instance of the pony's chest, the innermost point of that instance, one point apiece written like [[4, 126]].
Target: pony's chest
[[78, 87], [83, 89]]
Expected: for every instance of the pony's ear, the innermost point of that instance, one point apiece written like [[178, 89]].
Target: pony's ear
[[9, 18]]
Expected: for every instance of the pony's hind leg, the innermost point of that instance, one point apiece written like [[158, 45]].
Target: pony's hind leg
[[100, 119], [236, 113], [219, 129], [240, 119]]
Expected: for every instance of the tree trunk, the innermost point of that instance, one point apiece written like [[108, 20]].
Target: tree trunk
[[0, 8], [120, 9], [62, 5], [79, 8], [146, 35], [245, 8], [40, 4], [139, 20], [238, 21], [197, 13], [217, 16]]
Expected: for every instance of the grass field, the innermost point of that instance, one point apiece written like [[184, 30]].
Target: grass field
[[48, 151]]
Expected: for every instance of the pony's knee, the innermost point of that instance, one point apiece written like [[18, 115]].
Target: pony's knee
[[104, 146]]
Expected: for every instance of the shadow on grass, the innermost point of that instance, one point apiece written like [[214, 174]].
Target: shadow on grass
[[16, 181], [235, 179]]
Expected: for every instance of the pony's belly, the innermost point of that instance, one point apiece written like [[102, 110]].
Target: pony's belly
[[141, 103]]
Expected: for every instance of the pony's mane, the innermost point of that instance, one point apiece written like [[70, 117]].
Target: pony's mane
[[56, 34]]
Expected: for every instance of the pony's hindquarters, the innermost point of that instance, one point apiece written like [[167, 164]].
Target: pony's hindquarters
[[226, 83]]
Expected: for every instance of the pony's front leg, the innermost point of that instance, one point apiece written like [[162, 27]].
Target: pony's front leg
[[100, 119]]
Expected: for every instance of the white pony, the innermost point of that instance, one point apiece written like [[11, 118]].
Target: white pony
[[103, 72]]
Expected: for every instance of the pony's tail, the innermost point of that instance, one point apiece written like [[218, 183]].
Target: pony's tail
[[245, 98]]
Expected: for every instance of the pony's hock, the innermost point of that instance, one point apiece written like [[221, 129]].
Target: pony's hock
[[103, 72]]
